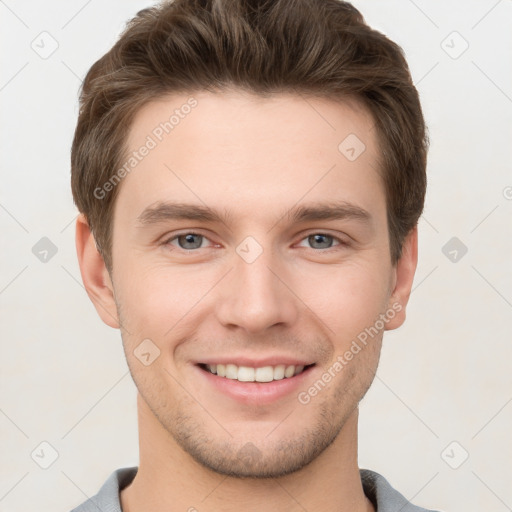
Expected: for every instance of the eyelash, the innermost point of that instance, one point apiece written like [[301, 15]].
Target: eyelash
[[340, 242]]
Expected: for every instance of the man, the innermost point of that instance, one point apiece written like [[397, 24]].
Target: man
[[249, 175]]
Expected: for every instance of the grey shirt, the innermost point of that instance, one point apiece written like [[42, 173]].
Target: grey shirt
[[375, 486]]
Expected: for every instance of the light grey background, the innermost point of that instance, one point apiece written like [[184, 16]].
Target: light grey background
[[444, 386]]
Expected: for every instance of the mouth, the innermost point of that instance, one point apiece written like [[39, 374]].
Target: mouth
[[260, 374], [256, 381]]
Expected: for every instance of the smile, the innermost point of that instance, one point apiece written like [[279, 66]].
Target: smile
[[250, 374]]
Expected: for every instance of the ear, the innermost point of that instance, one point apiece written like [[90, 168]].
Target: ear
[[404, 271], [94, 273]]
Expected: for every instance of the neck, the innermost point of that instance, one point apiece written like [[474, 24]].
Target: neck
[[170, 479]]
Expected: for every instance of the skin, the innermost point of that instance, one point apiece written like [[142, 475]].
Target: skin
[[254, 159]]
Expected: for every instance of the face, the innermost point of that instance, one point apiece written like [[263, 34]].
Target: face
[[251, 257]]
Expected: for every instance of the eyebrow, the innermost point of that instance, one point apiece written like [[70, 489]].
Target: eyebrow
[[165, 211]]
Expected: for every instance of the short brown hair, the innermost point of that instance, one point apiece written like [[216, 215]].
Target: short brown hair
[[321, 48]]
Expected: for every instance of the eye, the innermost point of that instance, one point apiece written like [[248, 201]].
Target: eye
[[323, 241], [187, 241]]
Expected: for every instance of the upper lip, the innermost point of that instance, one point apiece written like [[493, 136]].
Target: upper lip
[[256, 363]]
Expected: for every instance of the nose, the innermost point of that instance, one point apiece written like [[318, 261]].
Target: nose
[[257, 296]]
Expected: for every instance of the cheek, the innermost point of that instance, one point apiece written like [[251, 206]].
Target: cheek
[[155, 300], [349, 299]]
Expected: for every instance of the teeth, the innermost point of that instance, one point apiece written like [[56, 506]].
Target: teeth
[[265, 374], [231, 371], [279, 372], [289, 371], [248, 374]]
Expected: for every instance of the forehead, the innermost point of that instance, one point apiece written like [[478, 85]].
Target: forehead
[[251, 153]]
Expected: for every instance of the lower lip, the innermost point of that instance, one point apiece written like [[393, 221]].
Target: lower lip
[[255, 393]]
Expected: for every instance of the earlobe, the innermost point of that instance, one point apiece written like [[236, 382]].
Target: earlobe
[[94, 273], [404, 277]]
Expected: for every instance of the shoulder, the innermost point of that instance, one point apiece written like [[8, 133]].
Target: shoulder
[[384, 497], [107, 499]]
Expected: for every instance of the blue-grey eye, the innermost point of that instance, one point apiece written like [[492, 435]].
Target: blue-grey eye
[[190, 241], [320, 241]]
